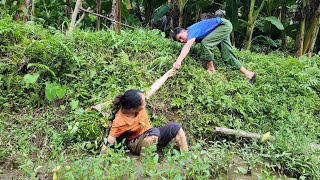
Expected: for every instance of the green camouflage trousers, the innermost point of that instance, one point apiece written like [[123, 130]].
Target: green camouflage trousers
[[220, 35]]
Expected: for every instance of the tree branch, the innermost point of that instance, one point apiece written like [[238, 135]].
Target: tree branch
[[80, 19], [84, 10]]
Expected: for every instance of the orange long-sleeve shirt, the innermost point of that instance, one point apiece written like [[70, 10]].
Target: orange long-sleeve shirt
[[132, 126]]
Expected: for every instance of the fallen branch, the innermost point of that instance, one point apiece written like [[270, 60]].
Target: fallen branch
[[226, 131], [99, 15], [244, 134]]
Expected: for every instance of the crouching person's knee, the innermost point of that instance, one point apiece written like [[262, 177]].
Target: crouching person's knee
[[181, 140], [149, 140]]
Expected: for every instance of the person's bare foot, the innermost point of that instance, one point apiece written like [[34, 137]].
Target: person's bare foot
[[210, 67], [251, 75], [252, 80]]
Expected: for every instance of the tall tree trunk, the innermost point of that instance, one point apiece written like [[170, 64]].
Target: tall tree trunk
[[198, 13], [118, 15], [138, 12], [74, 16], [269, 24], [312, 31], [98, 10], [180, 18], [283, 21], [182, 4], [32, 10], [23, 11], [300, 35], [175, 13], [26, 5], [253, 14], [148, 12], [314, 39], [171, 2], [114, 12], [250, 27], [248, 38], [233, 39], [300, 38], [68, 9], [232, 14]]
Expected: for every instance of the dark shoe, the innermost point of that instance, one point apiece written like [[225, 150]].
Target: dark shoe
[[253, 79]]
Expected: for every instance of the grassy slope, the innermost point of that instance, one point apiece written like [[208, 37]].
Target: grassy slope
[[96, 66]]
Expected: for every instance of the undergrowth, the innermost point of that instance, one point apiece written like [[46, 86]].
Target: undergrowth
[[93, 67]]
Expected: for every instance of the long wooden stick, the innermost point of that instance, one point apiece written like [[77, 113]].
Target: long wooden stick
[[240, 133], [226, 131], [99, 15]]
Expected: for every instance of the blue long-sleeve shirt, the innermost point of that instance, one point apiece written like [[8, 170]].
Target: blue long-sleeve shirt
[[201, 29]]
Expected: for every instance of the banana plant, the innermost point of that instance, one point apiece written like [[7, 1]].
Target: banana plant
[[301, 31], [181, 5], [313, 29], [253, 14], [149, 8], [278, 18]]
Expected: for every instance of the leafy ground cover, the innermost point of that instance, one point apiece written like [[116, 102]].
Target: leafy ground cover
[[49, 79]]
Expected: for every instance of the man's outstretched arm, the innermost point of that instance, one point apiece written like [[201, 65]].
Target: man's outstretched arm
[[184, 52]]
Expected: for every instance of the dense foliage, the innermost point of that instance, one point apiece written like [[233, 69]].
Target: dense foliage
[[259, 25], [48, 80]]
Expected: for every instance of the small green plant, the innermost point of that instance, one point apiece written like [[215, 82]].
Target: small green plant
[[53, 90]]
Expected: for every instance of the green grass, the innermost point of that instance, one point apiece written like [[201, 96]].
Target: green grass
[[38, 134]]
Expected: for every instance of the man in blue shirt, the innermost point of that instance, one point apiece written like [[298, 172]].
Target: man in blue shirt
[[209, 33]]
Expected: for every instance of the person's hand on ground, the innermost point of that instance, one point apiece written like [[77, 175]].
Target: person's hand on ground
[[103, 149]]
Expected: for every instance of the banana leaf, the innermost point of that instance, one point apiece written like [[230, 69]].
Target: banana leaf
[[160, 12], [275, 21]]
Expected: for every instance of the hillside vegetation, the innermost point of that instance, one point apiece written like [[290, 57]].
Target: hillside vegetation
[[49, 79]]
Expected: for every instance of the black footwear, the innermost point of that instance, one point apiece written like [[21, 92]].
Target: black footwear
[[253, 79]]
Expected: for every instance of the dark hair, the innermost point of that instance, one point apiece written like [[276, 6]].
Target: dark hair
[[175, 32], [130, 99]]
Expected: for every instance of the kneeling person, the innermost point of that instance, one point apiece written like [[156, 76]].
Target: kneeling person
[[132, 121]]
